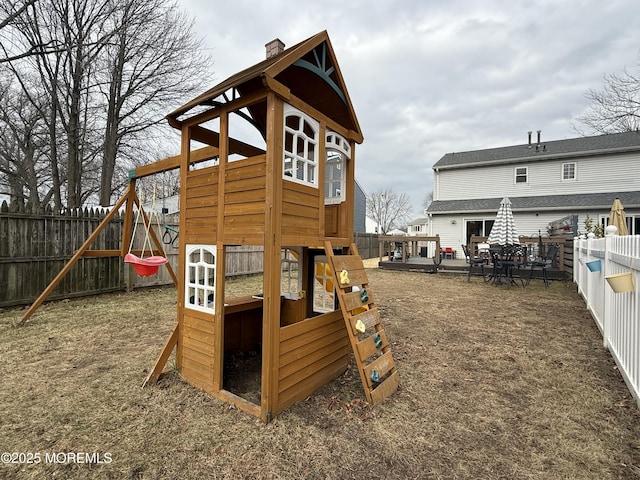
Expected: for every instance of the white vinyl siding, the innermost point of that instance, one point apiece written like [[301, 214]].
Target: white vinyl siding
[[497, 181]]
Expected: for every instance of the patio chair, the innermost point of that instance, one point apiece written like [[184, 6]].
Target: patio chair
[[473, 261], [449, 253], [544, 263]]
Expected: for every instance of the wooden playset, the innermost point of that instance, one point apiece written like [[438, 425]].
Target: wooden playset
[[293, 194]]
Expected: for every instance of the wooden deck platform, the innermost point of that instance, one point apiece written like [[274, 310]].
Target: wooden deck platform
[[457, 266]]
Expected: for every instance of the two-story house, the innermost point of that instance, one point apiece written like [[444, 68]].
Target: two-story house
[[545, 181]]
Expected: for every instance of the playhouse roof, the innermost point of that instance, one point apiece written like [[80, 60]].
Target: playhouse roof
[[308, 70]]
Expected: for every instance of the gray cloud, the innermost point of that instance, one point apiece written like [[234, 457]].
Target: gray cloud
[[428, 78]]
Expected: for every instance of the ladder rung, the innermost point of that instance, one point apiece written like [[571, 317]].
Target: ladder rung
[[353, 300], [383, 365], [367, 347], [385, 389], [370, 318]]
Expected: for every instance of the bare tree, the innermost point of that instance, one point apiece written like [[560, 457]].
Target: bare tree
[[10, 13], [428, 198], [119, 66], [67, 77], [23, 147], [152, 59], [615, 108], [388, 209]]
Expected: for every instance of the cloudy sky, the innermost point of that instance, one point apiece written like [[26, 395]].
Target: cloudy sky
[[429, 77]]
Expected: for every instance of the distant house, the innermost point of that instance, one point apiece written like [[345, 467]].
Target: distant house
[[545, 181], [359, 209], [418, 227]]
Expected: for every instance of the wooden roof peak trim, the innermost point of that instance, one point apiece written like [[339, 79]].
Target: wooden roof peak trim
[[276, 65]]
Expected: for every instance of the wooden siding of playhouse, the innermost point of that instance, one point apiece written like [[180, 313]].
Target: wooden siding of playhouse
[[248, 202]]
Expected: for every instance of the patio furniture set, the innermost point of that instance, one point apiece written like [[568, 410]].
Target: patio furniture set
[[509, 263]]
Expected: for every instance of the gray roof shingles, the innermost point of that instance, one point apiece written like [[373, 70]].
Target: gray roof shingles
[[547, 202], [583, 146]]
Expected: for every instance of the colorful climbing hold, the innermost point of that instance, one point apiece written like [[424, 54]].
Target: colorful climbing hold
[[363, 295], [344, 277], [374, 376], [377, 340], [360, 326]]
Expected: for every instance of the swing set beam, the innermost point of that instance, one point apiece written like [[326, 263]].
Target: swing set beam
[[130, 198]]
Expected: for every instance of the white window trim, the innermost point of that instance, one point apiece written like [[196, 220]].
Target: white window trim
[[289, 111], [575, 172], [286, 273], [328, 299], [515, 175], [194, 286], [334, 142]]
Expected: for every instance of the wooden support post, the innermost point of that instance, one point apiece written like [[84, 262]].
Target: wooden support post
[[161, 361], [76, 256], [272, 266]]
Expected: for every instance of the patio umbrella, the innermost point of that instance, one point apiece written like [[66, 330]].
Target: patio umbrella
[[618, 218], [504, 231]]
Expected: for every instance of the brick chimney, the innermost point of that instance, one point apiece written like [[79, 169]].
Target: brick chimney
[[274, 47]]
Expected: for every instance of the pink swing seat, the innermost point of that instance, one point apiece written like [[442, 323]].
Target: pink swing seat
[[145, 266]]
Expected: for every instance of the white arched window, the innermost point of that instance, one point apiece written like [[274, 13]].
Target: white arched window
[[338, 151], [200, 281], [300, 163]]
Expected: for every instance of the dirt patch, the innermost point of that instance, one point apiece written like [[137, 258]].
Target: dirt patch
[[497, 382]]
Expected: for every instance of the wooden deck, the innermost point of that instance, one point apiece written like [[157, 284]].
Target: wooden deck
[[457, 266]]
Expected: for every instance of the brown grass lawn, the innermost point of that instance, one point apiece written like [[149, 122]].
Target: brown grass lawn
[[497, 382]]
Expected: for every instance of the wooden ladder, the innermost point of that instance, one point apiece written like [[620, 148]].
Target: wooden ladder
[[362, 319]]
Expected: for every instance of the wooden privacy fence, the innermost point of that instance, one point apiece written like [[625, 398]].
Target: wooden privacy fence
[[616, 313], [367, 244], [34, 247]]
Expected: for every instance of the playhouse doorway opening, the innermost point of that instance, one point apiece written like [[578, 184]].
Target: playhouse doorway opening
[[242, 354]]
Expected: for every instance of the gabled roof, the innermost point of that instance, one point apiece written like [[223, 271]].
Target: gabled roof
[[309, 70], [570, 148], [599, 201]]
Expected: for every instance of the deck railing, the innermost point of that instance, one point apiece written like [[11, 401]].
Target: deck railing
[[616, 314]]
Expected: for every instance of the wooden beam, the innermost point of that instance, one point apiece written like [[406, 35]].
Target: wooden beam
[[215, 111], [171, 163], [204, 135], [161, 361], [278, 88], [118, 253], [85, 246], [272, 265], [318, 115]]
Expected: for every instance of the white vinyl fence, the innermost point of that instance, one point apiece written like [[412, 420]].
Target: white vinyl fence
[[616, 314]]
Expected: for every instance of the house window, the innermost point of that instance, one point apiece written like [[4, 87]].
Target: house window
[[200, 281], [300, 163], [323, 292], [633, 223], [291, 282], [338, 152], [521, 174], [569, 171], [480, 228]]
